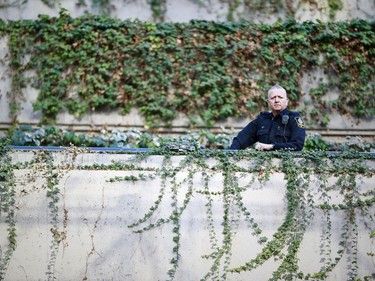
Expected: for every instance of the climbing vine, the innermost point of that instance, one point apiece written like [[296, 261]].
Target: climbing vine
[[7, 210], [308, 193], [204, 70]]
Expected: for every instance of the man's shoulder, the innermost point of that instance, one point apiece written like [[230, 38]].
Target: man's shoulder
[[293, 113], [264, 114], [297, 118]]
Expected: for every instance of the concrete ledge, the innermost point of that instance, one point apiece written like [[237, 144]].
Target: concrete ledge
[[84, 234]]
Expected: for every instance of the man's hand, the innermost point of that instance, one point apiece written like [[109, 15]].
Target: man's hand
[[263, 146]]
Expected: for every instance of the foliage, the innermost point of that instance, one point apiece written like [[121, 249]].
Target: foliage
[[334, 5], [316, 142], [158, 8], [54, 136], [206, 71], [307, 195], [301, 209], [7, 209]]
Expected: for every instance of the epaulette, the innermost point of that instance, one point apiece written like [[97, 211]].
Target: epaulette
[[294, 113]]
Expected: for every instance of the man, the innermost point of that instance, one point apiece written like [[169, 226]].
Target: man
[[278, 129]]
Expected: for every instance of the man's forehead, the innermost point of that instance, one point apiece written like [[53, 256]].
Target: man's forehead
[[277, 92]]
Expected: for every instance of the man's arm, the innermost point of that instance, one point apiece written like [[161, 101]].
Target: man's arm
[[246, 137]]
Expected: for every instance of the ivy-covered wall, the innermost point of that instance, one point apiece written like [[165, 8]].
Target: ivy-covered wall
[[207, 71], [204, 215]]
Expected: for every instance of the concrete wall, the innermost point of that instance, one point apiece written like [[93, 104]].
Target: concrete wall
[[185, 10], [93, 215]]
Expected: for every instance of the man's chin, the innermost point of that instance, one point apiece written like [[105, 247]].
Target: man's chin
[[278, 108]]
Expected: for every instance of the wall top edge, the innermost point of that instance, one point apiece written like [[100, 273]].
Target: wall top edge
[[119, 150]]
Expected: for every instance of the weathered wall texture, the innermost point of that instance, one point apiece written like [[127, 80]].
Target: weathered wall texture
[[185, 10], [95, 242]]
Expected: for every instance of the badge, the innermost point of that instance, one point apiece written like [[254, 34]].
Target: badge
[[300, 122]]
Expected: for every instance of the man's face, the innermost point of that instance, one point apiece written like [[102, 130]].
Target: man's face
[[277, 101]]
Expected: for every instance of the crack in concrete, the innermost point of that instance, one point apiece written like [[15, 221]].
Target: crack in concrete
[[92, 233]]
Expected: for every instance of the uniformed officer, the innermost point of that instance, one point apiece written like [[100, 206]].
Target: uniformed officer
[[278, 129]]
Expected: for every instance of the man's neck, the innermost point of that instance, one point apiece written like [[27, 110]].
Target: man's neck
[[277, 112]]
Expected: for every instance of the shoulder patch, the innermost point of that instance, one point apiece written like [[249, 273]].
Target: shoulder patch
[[299, 122]]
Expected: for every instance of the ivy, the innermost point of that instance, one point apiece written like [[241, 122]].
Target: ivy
[[204, 70], [54, 136], [301, 209], [7, 210], [311, 178], [44, 161]]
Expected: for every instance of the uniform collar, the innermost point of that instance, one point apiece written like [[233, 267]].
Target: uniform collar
[[282, 113]]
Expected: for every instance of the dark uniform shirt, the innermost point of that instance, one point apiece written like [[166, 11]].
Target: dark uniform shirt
[[285, 131]]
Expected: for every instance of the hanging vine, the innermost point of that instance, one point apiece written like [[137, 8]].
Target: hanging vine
[[308, 194], [7, 210], [301, 209]]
